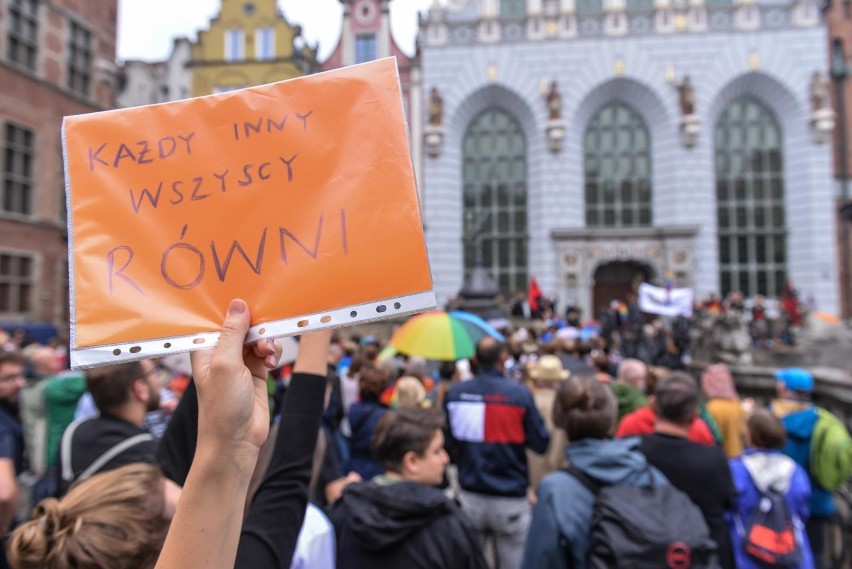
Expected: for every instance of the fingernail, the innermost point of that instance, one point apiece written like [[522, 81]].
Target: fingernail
[[271, 361], [237, 307]]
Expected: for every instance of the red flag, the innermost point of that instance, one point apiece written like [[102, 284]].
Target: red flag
[[534, 296]]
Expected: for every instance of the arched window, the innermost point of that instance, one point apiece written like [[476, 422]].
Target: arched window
[[617, 150], [495, 184], [750, 200]]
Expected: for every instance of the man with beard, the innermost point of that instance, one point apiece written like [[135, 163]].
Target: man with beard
[[123, 394]]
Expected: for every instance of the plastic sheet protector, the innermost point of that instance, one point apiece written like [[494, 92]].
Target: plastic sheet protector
[[298, 197]]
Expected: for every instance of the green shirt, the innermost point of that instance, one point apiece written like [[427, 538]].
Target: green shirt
[[61, 395]]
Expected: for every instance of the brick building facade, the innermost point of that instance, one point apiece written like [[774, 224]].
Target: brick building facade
[[56, 59]]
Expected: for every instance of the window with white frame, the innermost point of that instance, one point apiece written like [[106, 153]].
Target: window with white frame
[[365, 48], [264, 44], [235, 44]]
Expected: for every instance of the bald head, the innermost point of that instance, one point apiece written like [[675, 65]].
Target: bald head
[[44, 361], [488, 353], [633, 373]]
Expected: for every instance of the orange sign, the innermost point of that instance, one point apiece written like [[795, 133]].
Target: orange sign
[[298, 197]]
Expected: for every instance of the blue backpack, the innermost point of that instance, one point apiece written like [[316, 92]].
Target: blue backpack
[[769, 534]]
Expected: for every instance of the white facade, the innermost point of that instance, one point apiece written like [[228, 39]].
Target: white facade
[[147, 83], [767, 53]]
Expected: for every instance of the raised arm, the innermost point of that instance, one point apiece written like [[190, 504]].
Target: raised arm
[[271, 529], [233, 422]]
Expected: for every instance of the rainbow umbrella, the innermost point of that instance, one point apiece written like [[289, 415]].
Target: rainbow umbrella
[[476, 326], [440, 336]]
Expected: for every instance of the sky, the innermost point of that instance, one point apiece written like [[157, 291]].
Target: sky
[[146, 28]]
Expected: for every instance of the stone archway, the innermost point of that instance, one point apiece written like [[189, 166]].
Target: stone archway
[[585, 253], [616, 280]]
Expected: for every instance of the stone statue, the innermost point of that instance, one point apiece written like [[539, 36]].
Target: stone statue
[[687, 97], [819, 92], [554, 102], [436, 107]]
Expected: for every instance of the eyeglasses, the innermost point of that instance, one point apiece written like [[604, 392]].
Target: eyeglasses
[[12, 377]]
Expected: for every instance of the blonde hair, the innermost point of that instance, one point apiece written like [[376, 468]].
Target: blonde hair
[[410, 393], [114, 520]]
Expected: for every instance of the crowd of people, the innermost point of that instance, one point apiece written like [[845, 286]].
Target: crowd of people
[[540, 452]]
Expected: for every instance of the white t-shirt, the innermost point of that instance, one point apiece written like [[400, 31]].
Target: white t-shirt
[[315, 548]]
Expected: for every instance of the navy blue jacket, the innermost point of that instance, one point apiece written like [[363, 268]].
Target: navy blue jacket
[[490, 423], [363, 417]]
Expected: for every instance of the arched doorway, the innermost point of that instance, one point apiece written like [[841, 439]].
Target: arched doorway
[[615, 280]]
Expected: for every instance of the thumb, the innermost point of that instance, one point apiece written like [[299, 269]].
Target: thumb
[[234, 331]]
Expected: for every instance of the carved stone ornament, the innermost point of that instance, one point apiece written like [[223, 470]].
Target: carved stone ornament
[[822, 117], [434, 139], [690, 130], [555, 131], [822, 125]]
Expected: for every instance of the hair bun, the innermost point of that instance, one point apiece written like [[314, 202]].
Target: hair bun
[[48, 513]]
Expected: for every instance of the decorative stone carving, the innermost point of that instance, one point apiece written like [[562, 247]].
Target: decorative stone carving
[[434, 139], [822, 117], [436, 107], [690, 122], [555, 135], [434, 132], [554, 102], [555, 129]]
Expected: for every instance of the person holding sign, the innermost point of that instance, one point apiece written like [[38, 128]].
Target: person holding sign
[[207, 531]]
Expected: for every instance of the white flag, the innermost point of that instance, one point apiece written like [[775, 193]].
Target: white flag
[[665, 302]]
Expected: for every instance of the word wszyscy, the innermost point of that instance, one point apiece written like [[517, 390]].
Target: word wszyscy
[[298, 197]]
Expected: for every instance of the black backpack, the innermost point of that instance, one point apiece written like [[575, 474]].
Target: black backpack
[[651, 527], [769, 535]]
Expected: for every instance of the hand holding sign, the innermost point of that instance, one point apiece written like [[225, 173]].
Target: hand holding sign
[[298, 197], [231, 381]]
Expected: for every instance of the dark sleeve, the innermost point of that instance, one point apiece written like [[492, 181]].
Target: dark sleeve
[[177, 447], [329, 471], [333, 414], [728, 487], [7, 443], [277, 511]]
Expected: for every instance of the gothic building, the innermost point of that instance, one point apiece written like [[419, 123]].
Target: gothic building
[[598, 143]]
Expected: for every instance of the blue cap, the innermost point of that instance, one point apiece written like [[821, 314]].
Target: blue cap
[[367, 340], [796, 379]]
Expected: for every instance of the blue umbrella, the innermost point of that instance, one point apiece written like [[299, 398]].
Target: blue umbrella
[[476, 326]]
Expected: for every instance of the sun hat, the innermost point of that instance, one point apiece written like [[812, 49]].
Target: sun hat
[[549, 368]]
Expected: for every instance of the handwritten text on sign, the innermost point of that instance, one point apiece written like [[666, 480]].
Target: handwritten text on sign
[[283, 195]]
